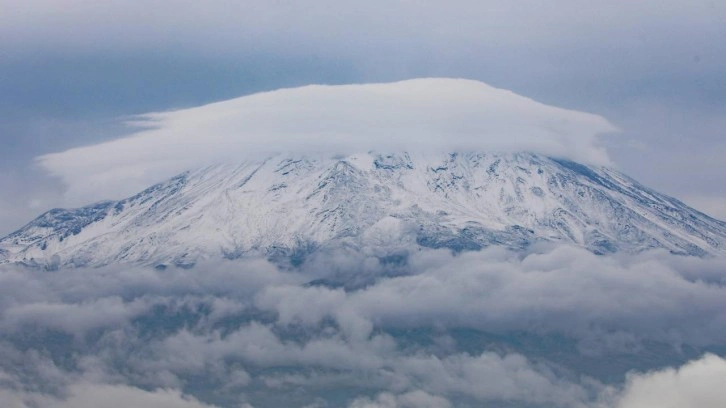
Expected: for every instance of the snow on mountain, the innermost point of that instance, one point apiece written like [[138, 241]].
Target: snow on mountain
[[287, 207]]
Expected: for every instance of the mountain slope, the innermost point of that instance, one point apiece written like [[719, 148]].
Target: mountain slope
[[286, 207]]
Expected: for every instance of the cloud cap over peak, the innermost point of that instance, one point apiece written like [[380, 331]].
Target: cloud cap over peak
[[429, 114]]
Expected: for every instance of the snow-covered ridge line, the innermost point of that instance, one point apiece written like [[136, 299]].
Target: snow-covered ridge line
[[289, 207]]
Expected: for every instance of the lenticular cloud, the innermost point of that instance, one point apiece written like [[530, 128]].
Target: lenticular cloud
[[422, 114]]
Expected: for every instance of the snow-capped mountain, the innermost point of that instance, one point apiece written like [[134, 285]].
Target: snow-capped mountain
[[287, 207]]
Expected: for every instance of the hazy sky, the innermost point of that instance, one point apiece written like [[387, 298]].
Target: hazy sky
[[71, 71]]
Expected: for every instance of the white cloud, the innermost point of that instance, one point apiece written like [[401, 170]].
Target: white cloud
[[113, 396], [422, 114], [375, 362], [413, 399], [699, 383], [608, 303], [74, 318], [489, 376], [90, 395]]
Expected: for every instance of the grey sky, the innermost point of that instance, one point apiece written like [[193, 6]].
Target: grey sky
[[656, 69]]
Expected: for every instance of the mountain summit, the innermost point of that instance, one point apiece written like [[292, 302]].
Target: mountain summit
[[288, 207]]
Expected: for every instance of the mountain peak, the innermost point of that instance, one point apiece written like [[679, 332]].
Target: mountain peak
[[288, 207]]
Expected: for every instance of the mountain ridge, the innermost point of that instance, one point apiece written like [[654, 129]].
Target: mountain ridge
[[287, 207]]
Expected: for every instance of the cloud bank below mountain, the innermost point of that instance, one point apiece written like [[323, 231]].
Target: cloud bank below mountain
[[557, 327], [434, 114]]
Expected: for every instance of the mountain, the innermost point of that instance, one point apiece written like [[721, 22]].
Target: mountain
[[287, 207]]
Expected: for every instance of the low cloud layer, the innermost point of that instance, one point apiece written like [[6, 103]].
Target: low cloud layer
[[558, 326], [423, 114], [697, 383], [90, 395]]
